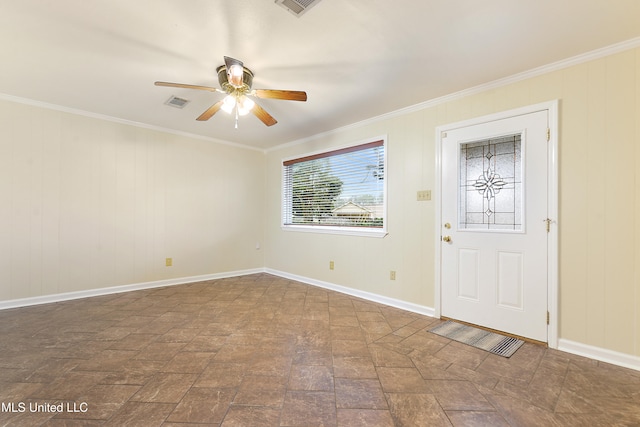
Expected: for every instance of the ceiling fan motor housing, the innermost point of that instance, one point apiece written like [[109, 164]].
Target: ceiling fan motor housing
[[247, 80]]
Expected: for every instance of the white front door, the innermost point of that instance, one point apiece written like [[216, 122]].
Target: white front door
[[494, 224]]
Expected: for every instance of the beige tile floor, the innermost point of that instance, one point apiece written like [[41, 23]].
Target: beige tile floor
[[264, 351]]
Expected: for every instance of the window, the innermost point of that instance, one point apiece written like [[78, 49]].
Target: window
[[490, 187], [341, 191]]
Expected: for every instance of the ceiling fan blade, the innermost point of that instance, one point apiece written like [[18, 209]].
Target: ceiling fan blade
[[262, 114], [289, 95], [235, 71], [210, 111], [184, 86]]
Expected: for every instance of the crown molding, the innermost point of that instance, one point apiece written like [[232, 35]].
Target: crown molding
[[555, 66], [78, 112], [535, 72]]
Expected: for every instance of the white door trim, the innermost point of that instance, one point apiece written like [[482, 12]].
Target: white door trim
[[552, 179]]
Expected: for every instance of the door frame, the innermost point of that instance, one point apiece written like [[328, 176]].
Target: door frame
[[552, 205]]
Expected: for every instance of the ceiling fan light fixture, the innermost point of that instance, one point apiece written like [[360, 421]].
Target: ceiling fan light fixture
[[245, 105], [228, 104]]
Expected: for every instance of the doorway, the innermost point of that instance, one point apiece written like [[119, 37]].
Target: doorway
[[497, 222]]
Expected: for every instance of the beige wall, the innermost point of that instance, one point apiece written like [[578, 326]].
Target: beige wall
[[599, 151], [88, 203]]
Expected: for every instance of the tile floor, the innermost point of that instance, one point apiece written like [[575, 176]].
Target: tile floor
[[264, 351]]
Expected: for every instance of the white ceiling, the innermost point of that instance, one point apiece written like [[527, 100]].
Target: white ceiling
[[356, 59]]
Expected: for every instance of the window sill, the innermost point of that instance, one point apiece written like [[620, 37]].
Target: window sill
[[345, 231]]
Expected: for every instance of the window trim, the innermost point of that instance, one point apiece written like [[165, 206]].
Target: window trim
[[378, 232]]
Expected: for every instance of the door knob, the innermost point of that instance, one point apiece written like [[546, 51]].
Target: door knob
[[446, 239]]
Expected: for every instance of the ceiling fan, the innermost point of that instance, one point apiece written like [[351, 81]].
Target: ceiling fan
[[235, 80]]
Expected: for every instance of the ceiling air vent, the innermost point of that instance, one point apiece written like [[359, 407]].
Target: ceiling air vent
[[174, 101], [297, 7]]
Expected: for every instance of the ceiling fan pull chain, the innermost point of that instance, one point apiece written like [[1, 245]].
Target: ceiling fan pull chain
[[236, 115]]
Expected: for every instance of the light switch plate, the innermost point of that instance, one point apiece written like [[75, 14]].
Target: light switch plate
[[424, 195]]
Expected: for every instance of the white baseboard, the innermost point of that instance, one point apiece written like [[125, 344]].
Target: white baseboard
[[591, 352], [415, 308], [46, 299], [596, 353], [601, 354]]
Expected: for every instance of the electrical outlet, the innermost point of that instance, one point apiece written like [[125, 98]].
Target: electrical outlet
[[424, 195], [331, 265], [392, 275], [168, 262]]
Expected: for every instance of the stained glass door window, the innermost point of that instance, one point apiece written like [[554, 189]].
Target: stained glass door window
[[490, 189]]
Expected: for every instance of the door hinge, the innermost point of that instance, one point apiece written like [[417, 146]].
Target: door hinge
[[548, 221], [548, 134], [548, 317]]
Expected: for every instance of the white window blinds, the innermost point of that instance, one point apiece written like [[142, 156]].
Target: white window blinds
[[339, 188]]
